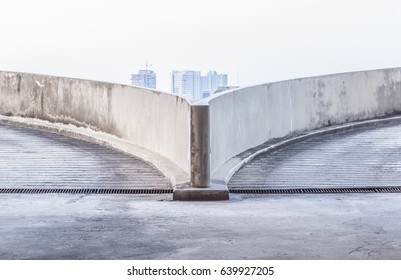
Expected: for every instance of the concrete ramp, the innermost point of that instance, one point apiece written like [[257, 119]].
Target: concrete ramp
[[364, 159], [36, 160]]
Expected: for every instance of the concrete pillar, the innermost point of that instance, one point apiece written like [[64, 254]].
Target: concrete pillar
[[201, 188], [200, 146]]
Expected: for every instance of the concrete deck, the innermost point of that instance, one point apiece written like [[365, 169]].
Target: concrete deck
[[340, 226]]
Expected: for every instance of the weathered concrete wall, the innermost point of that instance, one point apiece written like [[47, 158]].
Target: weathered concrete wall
[[156, 121], [238, 120], [244, 118]]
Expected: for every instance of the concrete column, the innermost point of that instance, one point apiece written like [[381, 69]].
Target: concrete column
[[200, 146]]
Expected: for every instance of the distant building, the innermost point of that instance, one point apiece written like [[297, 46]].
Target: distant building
[[212, 81], [192, 85], [205, 86], [187, 83], [144, 78]]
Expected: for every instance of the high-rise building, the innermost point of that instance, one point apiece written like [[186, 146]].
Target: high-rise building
[[211, 82], [187, 83], [144, 78], [205, 86], [195, 86]]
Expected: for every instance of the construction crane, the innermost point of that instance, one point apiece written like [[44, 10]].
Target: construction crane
[[146, 65]]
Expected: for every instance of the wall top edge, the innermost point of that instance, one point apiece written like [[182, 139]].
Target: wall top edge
[[189, 101], [210, 98], [206, 101]]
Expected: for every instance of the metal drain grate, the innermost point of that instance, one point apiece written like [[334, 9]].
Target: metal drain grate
[[86, 191], [318, 190]]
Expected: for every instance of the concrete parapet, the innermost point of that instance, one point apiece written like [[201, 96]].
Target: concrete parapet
[[248, 117], [149, 119], [200, 138]]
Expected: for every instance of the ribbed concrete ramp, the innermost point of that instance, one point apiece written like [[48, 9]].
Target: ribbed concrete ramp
[[357, 159], [40, 160]]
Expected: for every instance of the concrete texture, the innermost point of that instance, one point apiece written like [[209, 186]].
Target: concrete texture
[[239, 120], [213, 192], [33, 159], [173, 172], [72, 226], [200, 146], [360, 157], [153, 120], [223, 174], [247, 117], [341, 226]]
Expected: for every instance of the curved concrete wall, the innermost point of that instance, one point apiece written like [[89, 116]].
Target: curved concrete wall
[[244, 118], [201, 137], [154, 120]]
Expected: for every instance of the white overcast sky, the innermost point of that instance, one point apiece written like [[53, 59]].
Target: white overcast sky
[[257, 40]]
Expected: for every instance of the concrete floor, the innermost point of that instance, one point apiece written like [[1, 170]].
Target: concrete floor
[[340, 226]]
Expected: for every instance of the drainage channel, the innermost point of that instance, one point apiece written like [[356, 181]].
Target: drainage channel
[[83, 191], [317, 190]]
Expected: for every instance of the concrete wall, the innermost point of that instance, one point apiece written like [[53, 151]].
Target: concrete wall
[[238, 120], [244, 118], [156, 121]]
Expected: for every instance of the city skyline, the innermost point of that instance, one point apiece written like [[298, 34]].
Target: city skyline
[[258, 41], [189, 83], [193, 85]]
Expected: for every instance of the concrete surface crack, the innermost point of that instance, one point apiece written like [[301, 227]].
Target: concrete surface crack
[[355, 250]]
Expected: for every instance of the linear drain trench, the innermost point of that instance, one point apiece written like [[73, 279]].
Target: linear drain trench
[[85, 191], [317, 190]]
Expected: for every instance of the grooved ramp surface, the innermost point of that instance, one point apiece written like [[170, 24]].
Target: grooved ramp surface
[[36, 159], [361, 158]]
